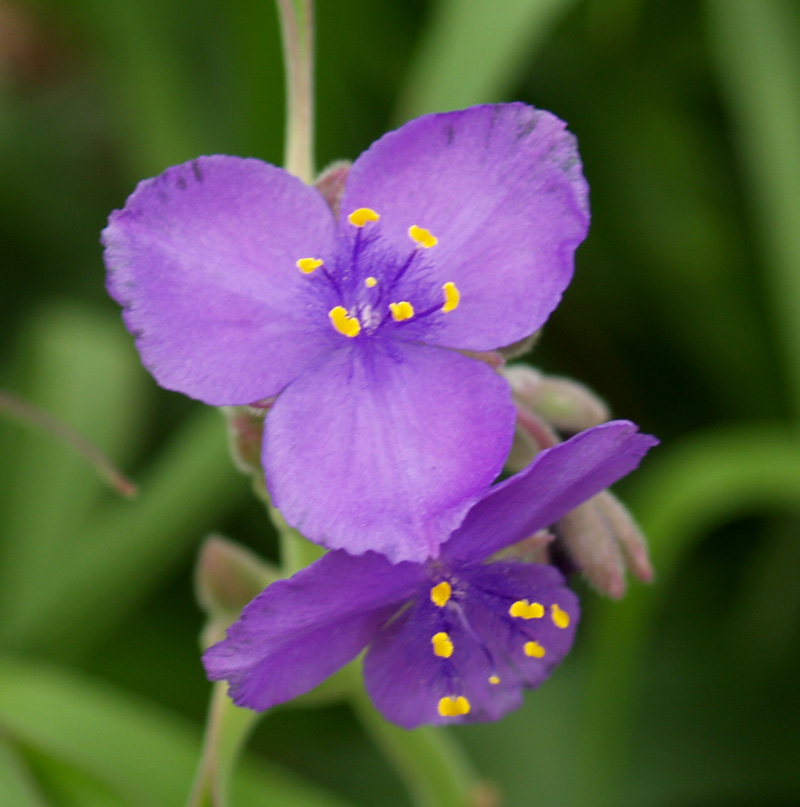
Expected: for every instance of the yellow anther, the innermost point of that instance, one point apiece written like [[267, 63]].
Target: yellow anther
[[527, 610], [534, 649], [308, 265], [560, 618], [452, 706], [494, 679], [452, 297], [422, 236], [442, 645], [371, 282], [343, 322], [440, 593], [402, 310], [361, 216]]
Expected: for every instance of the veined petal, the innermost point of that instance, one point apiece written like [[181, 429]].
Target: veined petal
[[502, 190], [557, 480], [299, 631], [385, 446], [203, 258]]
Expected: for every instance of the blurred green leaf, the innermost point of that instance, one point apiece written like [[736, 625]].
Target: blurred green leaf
[[144, 755], [17, 787], [691, 487], [80, 367], [758, 60], [472, 51]]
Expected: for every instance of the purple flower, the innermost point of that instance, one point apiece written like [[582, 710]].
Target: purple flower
[[457, 232], [454, 638]]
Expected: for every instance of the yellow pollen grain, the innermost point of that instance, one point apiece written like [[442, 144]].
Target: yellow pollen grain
[[442, 645], [308, 265], [371, 282], [560, 617], [402, 310], [360, 217], [526, 610], [343, 322], [423, 237], [494, 679], [452, 297], [440, 593], [534, 649], [452, 706]]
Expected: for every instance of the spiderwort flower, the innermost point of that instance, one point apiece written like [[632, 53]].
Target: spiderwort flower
[[456, 232], [453, 638]]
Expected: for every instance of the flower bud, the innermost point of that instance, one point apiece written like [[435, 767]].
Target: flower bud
[[227, 577], [566, 405], [330, 183], [593, 546], [245, 435]]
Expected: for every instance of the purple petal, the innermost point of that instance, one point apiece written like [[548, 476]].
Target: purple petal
[[488, 666], [203, 258], [501, 188], [385, 446], [557, 480], [299, 631]]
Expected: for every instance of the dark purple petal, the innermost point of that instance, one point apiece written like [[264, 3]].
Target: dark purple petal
[[489, 665], [203, 258], [557, 480], [494, 587], [501, 188], [299, 631], [386, 445]]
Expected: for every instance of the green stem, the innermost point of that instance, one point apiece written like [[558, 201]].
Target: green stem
[[297, 31], [226, 731]]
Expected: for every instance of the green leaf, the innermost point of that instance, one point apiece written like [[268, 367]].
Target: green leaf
[[143, 754], [473, 51]]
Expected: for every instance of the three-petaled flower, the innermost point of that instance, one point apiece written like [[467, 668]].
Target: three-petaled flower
[[457, 232], [454, 638]]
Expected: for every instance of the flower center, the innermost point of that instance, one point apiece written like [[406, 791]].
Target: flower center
[[373, 284]]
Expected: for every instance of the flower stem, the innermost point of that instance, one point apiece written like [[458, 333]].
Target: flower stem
[[430, 764], [226, 730], [297, 32]]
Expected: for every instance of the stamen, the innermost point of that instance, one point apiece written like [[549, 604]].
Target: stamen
[[452, 706], [534, 649], [308, 265], [452, 297], [442, 645], [440, 593], [422, 236], [494, 679], [560, 618], [360, 217], [526, 610], [342, 322], [402, 310], [371, 282]]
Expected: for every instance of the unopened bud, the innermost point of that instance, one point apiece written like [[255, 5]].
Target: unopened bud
[[530, 550], [330, 183], [227, 577], [592, 545], [531, 435], [566, 405], [245, 435], [628, 535]]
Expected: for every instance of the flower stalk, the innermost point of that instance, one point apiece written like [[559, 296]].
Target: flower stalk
[[297, 33]]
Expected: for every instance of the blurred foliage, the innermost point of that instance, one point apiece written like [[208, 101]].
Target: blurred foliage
[[683, 313]]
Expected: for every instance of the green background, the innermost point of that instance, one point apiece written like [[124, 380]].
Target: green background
[[684, 314]]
